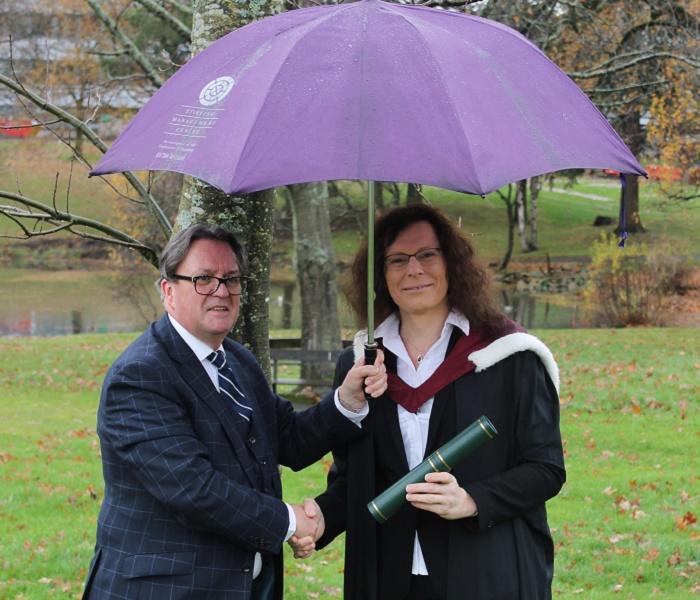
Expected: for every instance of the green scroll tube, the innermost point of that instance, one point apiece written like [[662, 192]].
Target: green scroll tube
[[444, 459]]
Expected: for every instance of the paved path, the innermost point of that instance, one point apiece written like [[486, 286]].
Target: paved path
[[582, 195]]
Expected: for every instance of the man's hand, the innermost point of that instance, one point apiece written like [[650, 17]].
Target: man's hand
[[304, 546], [361, 378], [441, 495]]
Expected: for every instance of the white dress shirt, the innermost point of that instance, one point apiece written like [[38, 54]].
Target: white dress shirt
[[414, 426]]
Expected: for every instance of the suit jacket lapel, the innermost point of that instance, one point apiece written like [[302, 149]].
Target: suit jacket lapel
[[194, 375]]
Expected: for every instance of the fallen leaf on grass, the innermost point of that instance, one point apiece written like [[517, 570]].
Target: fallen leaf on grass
[[80, 433], [329, 591], [652, 555], [683, 522], [6, 457], [675, 558]]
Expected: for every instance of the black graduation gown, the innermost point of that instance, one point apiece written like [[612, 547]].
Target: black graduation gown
[[504, 553]]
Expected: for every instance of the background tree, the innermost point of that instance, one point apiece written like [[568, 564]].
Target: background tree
[[66, 72], [315, 270], [618, 52], [674, 132], [621, 53]]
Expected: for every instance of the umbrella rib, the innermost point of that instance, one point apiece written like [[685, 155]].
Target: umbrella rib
[[442, 83], [309, 27]]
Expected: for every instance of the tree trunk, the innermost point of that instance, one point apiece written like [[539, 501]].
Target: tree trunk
[[534, 194], [379, 195], [250, 216], [521, 211], [510, 211], [315, 266], [633, 222], [287, 305], [413, 195], [395, 194], [634, 136]]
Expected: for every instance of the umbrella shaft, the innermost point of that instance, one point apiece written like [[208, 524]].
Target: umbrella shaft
[[370, 263]]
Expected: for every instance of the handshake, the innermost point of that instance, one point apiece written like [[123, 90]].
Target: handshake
[[310, 527]]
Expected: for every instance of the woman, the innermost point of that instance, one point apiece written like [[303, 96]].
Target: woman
[[481, 531]]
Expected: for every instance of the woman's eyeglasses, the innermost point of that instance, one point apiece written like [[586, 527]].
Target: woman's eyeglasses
[[400, 260]]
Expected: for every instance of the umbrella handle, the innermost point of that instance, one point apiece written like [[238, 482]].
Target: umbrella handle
[[370, 357]]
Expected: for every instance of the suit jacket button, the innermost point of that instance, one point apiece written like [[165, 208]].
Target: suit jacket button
[[246, 569], [266, 490], [263, 462], [491, 524], [251, 440]]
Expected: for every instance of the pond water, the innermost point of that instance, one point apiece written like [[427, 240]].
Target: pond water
[[38, 303]]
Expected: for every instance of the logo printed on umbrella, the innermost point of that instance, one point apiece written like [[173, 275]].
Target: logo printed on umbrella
[[216, 90]]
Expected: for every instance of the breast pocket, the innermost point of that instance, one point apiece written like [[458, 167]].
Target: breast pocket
[[162, 564]]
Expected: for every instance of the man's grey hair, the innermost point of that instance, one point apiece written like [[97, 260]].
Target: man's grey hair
[[179, 245]]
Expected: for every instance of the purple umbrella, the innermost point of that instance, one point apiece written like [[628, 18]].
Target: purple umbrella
[[372, 91]]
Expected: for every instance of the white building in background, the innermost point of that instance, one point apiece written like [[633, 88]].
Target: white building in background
[[32, 36]]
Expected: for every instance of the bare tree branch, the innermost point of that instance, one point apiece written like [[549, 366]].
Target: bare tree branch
[[30, 126], [183, 8], [66, 117], [125, 42], [621, 63], [65, 221], [167, 17]]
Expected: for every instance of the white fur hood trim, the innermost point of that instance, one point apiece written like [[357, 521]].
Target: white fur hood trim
[[494, 352], [358, 343], [510, 344]]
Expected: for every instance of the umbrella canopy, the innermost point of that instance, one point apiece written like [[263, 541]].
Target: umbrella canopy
[[373, 91]]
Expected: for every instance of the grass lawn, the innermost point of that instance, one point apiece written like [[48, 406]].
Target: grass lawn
[[625, 524]]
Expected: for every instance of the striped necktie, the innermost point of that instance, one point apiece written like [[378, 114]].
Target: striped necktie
[[227, 387]]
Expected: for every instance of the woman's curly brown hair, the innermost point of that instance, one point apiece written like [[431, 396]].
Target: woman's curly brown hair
[[470, 290]]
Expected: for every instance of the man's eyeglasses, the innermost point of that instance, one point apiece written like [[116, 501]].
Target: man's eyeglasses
[[400, 261], [206, 285]]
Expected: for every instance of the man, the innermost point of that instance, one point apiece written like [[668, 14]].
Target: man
[[190, 449]]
